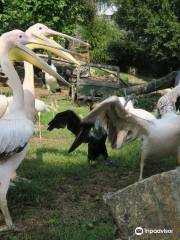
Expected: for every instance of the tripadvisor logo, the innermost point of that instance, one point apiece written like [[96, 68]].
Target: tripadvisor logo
[[139, 231]]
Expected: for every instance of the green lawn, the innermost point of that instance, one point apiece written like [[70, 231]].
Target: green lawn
[[64, 199]]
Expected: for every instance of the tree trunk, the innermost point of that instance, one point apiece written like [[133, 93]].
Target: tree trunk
[[154, 85]]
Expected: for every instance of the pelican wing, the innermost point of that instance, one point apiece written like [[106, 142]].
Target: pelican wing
[[112, 111], [14, 136], [118, 121]]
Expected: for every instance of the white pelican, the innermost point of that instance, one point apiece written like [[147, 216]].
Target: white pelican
[[28, 84], [40, 106], [31, 104], [36, 31], [43, 33], [50, 81], [16, 128], [46, 33], [161, 137]]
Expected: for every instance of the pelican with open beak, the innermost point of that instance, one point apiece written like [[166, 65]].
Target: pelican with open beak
[[44, 33], [16, 128]]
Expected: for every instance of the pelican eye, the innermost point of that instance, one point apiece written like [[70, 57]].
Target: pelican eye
[[40, 28], [20, 36]]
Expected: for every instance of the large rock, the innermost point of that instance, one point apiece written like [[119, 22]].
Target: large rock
[[152, 204]]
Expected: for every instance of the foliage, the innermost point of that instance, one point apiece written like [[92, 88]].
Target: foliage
[[153, 31], [101, 33], [147, 35], [62, 15]]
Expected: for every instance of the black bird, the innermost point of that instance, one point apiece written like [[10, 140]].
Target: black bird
[[93, 134]]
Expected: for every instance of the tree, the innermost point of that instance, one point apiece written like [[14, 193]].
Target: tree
[[101, 33], [164, 82], [153, 32], [62, 15]]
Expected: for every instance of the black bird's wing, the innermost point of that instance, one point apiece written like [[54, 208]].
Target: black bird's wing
[[67, 119], [84, 131], [73, 123]]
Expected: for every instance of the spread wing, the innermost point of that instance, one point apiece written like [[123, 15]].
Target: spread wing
[[14, 136], [117, 120], [73, 123], [67, 119]]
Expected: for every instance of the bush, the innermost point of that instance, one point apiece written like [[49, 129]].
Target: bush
[[101, 34]]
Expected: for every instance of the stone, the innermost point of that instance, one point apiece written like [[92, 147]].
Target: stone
[[151, 208]]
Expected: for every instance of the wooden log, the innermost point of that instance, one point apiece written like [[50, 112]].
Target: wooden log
[[154, 85], [85, 82]]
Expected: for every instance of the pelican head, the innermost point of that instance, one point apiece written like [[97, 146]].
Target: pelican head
[[43, 30], [43, 33], [13, 39], [14, 44]]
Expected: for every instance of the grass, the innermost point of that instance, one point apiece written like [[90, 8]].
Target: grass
[[64, 199]]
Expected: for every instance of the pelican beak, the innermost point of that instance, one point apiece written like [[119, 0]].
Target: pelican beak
[[51, 32], [22, 53], [52, 46]]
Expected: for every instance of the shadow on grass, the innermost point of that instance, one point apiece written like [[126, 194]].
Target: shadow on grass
[[52, 168], [64, 199]]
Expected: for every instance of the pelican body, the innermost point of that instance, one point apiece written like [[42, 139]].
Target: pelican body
[[16, 127], [163, 137]]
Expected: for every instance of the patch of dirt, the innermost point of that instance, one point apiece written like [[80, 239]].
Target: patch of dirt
[[45, 140], [135, 80], [43, 92], [83, 198]]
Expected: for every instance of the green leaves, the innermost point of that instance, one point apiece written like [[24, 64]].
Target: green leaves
[[58, 14], [101, 33], [155, 27]]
